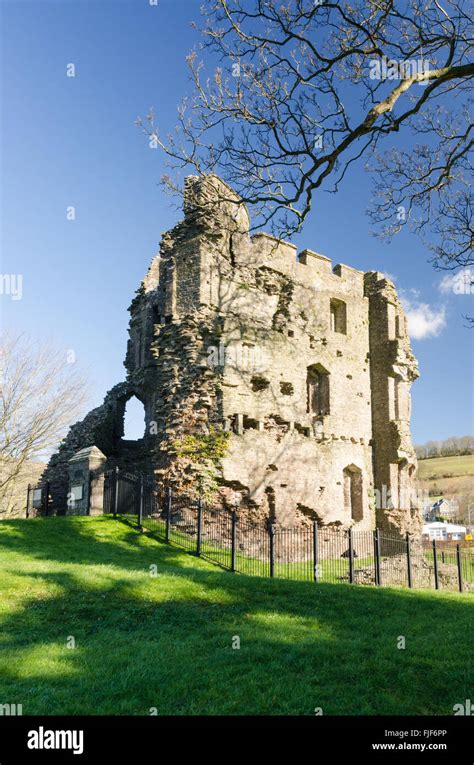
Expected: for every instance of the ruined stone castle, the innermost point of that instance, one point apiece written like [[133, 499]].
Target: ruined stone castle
[[299, 371]]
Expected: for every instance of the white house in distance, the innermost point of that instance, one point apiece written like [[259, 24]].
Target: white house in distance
[[444, 508], [444, 531]]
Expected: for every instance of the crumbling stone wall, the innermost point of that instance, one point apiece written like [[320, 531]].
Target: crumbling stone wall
[[308, 367], [101, 428], [393, 369]]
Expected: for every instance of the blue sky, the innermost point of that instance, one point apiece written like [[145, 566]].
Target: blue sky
[[72, 141]]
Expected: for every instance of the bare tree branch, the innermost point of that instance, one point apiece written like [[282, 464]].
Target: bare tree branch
[[305, 89]]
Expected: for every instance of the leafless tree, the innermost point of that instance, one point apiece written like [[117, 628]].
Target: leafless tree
[[306, 88], [40, 395]]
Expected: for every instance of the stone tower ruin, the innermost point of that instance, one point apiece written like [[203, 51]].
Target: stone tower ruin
[[267, 373]]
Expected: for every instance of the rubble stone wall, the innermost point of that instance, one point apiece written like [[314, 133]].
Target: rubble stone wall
[[306, 365]]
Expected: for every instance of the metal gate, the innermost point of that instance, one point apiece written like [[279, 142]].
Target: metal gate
[[124, 491]]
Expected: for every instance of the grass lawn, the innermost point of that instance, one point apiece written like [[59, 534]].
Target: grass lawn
[[165, 641], [439, 467], [333, 569], [446, 476]]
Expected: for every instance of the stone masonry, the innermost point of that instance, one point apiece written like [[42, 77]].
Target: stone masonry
[[307, 369]]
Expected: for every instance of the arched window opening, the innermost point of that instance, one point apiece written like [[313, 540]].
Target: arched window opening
[[353, 494], [338, 316], [317, 388], [134, 420]]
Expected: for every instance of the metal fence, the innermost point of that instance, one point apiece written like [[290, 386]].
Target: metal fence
[[127, 493], [304, 553], [308, 553]]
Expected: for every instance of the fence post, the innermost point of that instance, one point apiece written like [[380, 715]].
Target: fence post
[[116, 493], [378, 578], [410, 580], [315, 550], [199, 527], [28, 500], [89, 489], [168, 513], [234, 540], [45, 498], [140, 506], [435, 564], [351, 557], [459, 562], [271, 534]]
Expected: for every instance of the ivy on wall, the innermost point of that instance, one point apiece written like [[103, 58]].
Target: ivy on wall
[[204, 453]]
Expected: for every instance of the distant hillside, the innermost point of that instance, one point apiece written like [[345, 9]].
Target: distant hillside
[[449, 477], [446, 467]]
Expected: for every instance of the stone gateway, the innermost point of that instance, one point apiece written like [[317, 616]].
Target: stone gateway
[[264, 374]]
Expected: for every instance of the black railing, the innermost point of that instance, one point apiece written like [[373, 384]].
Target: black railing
[[128, 494], [237, 542], [307, 553]]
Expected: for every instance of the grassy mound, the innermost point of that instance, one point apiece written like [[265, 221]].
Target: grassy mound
[[165, 641]]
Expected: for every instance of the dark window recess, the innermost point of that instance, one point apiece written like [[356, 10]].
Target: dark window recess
[[317, 387], [338, 316], [353, 492]]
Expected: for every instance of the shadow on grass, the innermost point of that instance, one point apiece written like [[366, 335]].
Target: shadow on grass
[[166, 641]]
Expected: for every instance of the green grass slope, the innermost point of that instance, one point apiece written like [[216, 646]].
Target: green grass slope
[[451, 477], [446, 467], [165, 641]]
